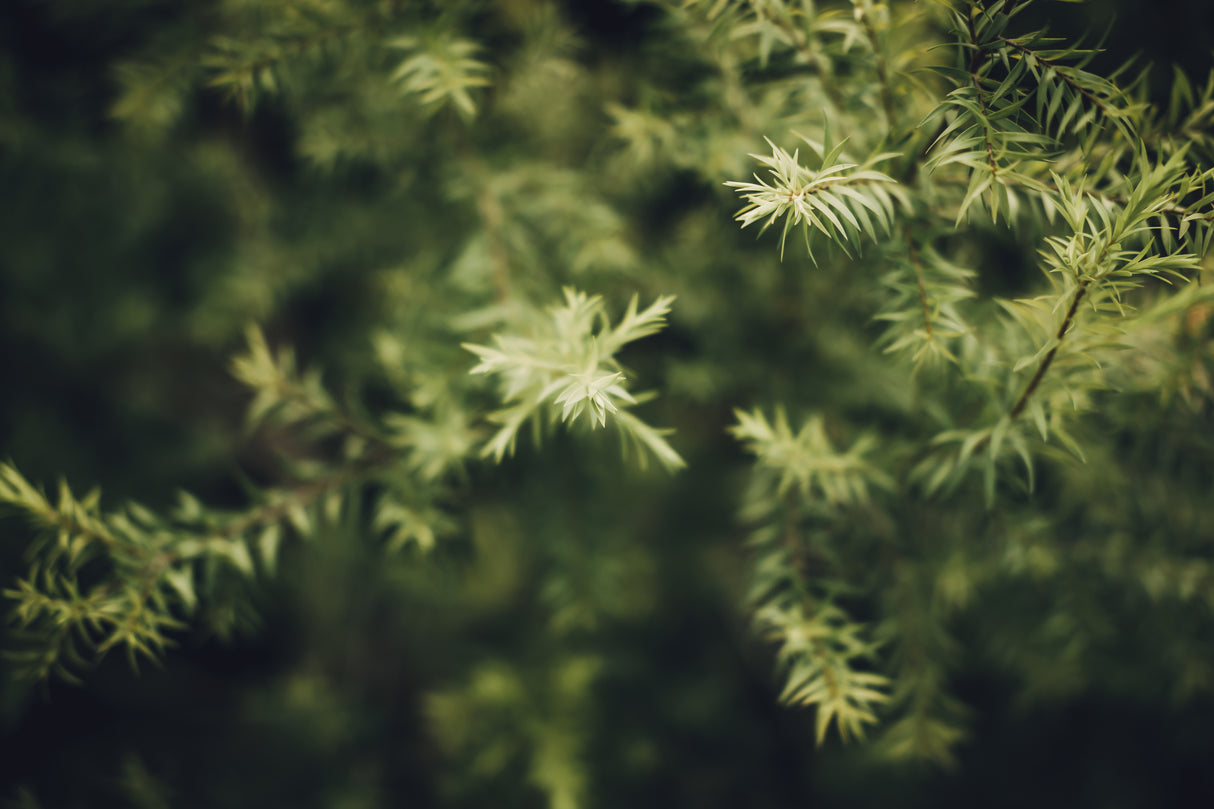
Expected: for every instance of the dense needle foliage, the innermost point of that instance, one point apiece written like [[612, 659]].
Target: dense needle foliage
[[645, 400]]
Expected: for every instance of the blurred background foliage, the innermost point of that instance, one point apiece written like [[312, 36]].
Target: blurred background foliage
[[586, 647]]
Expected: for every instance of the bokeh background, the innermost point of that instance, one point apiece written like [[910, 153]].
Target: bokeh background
[[130, 263]]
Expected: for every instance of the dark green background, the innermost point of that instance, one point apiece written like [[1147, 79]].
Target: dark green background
[[106, 248]]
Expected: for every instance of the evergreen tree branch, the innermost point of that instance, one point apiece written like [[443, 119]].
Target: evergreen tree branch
[[567, 367], [801, 42], [1063, 71], [1048, 359], [246, 65], [914, 257], [864, 12], [975, 82]]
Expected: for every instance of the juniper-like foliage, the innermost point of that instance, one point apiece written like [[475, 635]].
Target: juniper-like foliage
[[970, 394]]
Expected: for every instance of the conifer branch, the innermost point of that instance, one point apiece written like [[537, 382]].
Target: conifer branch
[[914, 257], [864, 15], [567, 368], [1064, 73], [842, 200], [974, 61], [1044, 365], [243, 66], [800, 42]]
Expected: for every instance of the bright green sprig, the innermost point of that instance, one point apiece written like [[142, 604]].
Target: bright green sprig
[[440, 70], [820, 653], [807, 460], [824, 654], [567, 367], [926, 309], [841, 199]]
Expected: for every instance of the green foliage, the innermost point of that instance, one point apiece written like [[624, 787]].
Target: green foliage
[[571, 363], [840, 199], [500, 715], [440, 71], [998, 361]]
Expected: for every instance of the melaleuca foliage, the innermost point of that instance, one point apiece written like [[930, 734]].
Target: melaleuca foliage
[[970, 379]]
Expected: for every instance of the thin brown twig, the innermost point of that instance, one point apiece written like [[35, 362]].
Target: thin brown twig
[[1104, 108], [1048, 359], [973, 71]]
